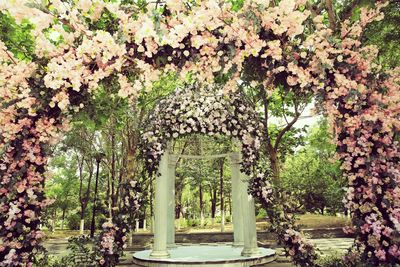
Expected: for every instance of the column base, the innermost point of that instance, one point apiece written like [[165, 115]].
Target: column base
[[159, 254], [238, 244], [249, 252], [172, 245]]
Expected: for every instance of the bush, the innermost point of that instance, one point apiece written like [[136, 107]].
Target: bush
[[193, 222], [261, 214], [219, 219], [74, 221], [334, 260]]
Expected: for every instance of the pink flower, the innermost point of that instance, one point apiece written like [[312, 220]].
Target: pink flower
[[394, 250], [381, 254]]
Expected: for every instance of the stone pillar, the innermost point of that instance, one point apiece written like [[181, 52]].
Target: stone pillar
[[130, 238], [137, 225], [152, 224], [160, 210], [171, 201], [237, 210], [249, 220]]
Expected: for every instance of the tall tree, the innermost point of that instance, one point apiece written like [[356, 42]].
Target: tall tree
[[79, 143], [221, 191], [313, 176], [63, 185]]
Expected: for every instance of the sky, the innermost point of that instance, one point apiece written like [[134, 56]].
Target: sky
[[308, 117]]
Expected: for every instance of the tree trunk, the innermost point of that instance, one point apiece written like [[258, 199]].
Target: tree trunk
[[221, 179], [84, 199], [178, 207], [54, 220], [201, 205], [113, 172], [63, 218], [213, 204], [82, 213], [93, 224], [178, 195], [110, 214], [274, 160], [230, 205], [82, 226]]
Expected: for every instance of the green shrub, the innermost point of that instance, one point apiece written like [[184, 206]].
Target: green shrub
[[261, 214], [192, 222], [73, 221], [334, 260], [219, 219]]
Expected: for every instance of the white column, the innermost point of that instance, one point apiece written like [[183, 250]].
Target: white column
[[249, 219], [237, 214], [171, 201], [160, 210], [130, 239], [152, 224], [137, 225]]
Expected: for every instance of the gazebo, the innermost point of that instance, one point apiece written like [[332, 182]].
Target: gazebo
[[206, 112]]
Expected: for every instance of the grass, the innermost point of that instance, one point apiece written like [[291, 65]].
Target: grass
[[58, 234], [305, 221], [321, 221]]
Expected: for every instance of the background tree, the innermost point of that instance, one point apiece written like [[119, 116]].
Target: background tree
[[63, 186], [79, 143], [312, 174]]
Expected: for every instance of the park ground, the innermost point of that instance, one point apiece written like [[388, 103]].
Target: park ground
[[327, 243]]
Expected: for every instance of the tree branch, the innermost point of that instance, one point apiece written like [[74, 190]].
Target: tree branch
[[287, 127], [331, 14], [11, 58], [314, 9], [283, 108], [266, 104]]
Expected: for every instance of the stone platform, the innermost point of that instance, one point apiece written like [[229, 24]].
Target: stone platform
[[204, 255]]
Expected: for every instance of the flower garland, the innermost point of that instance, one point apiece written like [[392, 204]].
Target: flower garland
[[371, 160], [363, 103], [112, 239]]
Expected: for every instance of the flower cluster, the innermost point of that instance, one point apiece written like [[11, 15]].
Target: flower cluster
[[110, 240], [113, 237], [298, 248]]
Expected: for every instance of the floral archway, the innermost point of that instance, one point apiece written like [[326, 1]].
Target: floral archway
[[283, 45], [210, 112]]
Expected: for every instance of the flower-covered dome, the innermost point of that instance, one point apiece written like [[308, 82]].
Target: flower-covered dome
[[208, 111]]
